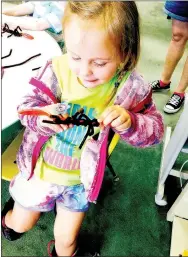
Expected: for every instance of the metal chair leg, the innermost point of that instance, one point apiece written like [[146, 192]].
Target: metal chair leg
[[115, 177]]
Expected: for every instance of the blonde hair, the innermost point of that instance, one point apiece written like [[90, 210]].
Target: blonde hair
[[120, 20]]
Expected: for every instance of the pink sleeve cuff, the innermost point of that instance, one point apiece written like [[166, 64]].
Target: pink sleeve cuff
[[132, 127]]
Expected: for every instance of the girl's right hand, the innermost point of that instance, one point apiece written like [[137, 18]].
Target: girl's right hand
[[55, 127]]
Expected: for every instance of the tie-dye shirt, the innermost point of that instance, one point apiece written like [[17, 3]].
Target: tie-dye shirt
[[52, 11], [59, 161]]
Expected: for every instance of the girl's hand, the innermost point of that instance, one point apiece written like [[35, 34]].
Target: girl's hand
[[55, 127], [117, 117]]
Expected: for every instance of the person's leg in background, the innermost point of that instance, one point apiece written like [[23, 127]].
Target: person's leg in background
[[177, 99], [184, 79], [175, 52], [176, 49]]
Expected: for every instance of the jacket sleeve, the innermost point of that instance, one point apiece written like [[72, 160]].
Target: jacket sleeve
[[147, 127], [37, 98]]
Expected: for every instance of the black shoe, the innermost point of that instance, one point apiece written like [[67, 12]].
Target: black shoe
[[79, 252], [174, 104], [156, 87], [8, 233]]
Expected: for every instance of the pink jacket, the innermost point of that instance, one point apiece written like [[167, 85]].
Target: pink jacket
[[135, 96]]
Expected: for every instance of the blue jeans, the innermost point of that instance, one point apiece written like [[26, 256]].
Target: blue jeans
[[177, 10]]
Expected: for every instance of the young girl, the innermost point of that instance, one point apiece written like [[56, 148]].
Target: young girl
[[97, 73]]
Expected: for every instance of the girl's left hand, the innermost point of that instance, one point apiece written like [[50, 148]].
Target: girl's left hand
[[117, 117]]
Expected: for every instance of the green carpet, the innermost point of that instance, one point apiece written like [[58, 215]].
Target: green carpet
[[124, 222]]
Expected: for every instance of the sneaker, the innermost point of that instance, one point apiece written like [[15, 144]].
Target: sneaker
[[156, 87], [174, 104], [78, 252], [8, 233]]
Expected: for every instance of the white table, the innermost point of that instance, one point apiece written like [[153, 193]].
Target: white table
[[178, 214], [15, 80], [179, 241]]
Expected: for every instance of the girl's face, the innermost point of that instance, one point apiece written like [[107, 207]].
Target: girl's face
[[91, 54]]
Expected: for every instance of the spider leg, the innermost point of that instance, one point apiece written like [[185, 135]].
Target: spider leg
[[10, 35], [15, 31], [4, 29], [18, 28], [90, 132], [6, 26], [84, 116], [87, 120]]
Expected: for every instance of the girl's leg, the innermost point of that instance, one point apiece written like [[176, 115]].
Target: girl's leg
[[32, 197], [66, 229], [176, 49], [20, 219]]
